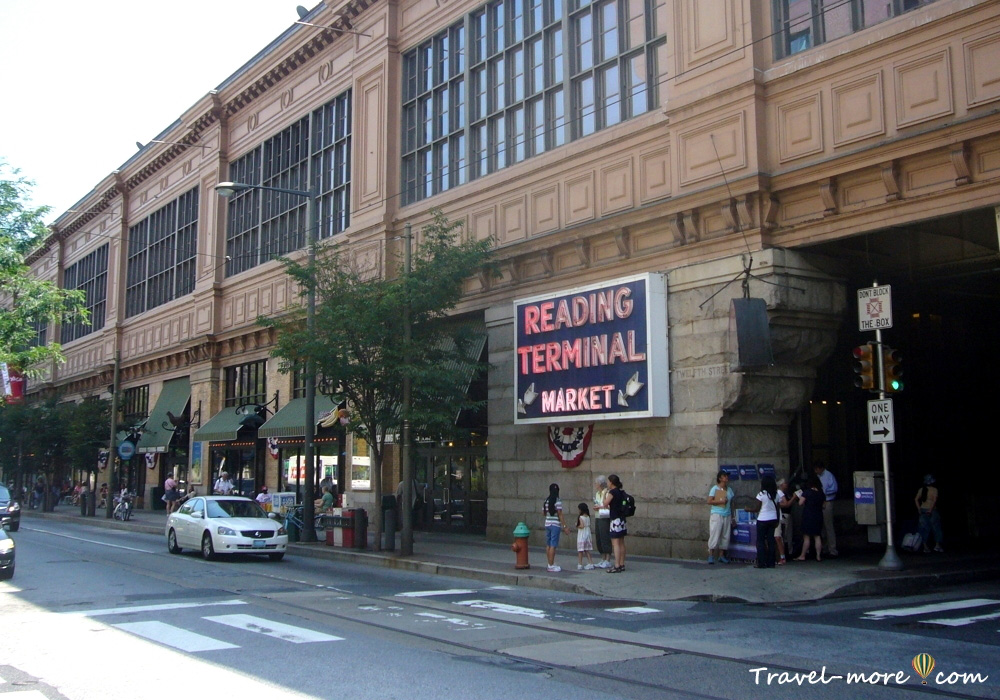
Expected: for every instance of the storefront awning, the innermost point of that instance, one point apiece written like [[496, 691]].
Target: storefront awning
[[474, 350], [173, 398], [290, 420], [222, 427]]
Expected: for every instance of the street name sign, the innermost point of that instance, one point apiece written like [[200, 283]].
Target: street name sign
[[875, 308], [881, 426]]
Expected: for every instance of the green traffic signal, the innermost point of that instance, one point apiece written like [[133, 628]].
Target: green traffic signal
[[892, 367]]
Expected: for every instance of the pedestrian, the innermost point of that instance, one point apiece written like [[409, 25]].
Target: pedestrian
[[104, 495], [783, 532], [170, 494], [584, 543], [766, 507], [223, 486], [326, 501], [554, 525], [264, 498], [930, 519], [619, 528], [602, 523], [812, 500], [720, 497], [829, 483]]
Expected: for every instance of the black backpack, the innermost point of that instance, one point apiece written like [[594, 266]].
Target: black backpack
[[628, 505]]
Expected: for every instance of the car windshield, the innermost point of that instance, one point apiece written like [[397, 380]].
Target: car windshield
[[4, 494], [235, 509]]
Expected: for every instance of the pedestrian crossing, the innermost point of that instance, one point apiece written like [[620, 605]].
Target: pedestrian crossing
[[512, 609], [931, 613], [190, 641]]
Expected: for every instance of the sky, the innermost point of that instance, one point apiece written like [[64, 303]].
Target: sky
[[83, 81]]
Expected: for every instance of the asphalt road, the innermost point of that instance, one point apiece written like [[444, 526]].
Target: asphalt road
[[98, 613]]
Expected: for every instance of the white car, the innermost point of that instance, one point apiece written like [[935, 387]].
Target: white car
[[225, 525]]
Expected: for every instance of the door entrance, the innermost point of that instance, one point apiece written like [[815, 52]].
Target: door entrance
[[456, 478]]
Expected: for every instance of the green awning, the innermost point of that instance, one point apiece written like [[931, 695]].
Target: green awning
[[290, 420], [222, 427], [173, 398]]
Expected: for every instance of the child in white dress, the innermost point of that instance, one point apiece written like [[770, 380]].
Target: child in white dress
[[584, 542]]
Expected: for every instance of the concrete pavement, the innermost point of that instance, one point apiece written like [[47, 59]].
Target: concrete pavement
[[645, 578]]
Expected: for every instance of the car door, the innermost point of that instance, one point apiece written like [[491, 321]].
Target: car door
[[189, 521]]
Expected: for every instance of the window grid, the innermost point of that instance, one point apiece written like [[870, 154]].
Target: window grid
[[316, 151], [90, 274], [803, 24], [246, 383], [135, 405], [524, 90], [161, 255]]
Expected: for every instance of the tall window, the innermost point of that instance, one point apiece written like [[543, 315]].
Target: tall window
[[161, 255], [516, 78], [246, 383], [41, 333], [135, 405], [313, 153], [90, 275], [803, 24]]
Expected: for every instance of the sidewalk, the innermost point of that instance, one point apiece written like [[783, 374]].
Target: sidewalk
[[646, 578]]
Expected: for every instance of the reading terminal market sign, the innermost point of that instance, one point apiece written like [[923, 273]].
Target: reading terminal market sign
[[596, 353]]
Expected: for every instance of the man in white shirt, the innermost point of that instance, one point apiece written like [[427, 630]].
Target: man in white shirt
[[223, 486], [829, 482]]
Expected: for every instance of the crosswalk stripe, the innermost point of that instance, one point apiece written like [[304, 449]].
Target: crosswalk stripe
[[961, 621], [153, 608], [175, 637], [635, 610], [931, 608], [425, 594], [24, 695], [502, 607], [278, 630]]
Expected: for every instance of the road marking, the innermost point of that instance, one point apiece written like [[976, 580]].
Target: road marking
[[24, 695], [961, 621], [424, 594], [152, 608], [175, 637], [925, 609], [103, 544], [461, 622], [278, 630], [635, 610], [502, 607]]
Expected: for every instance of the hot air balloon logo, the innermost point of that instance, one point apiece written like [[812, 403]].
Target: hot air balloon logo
[[923, 664]]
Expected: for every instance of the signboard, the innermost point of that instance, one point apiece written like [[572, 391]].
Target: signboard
[[881, 426], [875, 308], [748, 472], [13, 384], [766, 470], [864, 495], [731, 470], [126, 449], [593, 353]]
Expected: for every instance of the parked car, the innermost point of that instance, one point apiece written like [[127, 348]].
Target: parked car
[[219, 525], [10, 510], [6, 555]]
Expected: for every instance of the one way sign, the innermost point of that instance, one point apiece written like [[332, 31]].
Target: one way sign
[[880, 423]]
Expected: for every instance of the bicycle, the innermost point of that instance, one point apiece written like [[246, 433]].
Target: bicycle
[[293, 517], [123, 506]]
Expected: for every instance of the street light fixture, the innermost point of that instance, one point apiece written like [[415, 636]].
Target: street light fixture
[[228, 189]]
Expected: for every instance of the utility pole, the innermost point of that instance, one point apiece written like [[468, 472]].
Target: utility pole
[[112, 452], [406, 494]]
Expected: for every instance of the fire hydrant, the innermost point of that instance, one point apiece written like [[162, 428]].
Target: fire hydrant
[[520, 546]]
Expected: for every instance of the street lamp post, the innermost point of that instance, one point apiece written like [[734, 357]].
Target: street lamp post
[[228, 189]]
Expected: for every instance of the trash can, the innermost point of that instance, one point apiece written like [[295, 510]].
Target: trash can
[[360, 528], [389, 522], [292, 529]]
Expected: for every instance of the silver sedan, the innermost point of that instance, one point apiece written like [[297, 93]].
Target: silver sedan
[[219, 525]]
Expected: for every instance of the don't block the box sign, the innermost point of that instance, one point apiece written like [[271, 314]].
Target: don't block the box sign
[[593, 353]]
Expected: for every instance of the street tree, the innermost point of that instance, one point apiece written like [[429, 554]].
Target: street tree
[[26, 301], [358, 347]]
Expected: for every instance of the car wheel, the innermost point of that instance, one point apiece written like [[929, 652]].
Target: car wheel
[[8, 574], [277, 556], [172, 543], [207, 550], [15, 527]]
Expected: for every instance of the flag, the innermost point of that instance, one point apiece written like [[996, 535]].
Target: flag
[[569, 443]]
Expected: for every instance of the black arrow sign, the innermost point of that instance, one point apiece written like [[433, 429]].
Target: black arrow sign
[[883, 432]]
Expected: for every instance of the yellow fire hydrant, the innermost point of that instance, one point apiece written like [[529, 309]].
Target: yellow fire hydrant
[[520, 546]]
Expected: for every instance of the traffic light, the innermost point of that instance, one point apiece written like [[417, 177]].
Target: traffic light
[[864, 366], [892, 366]]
